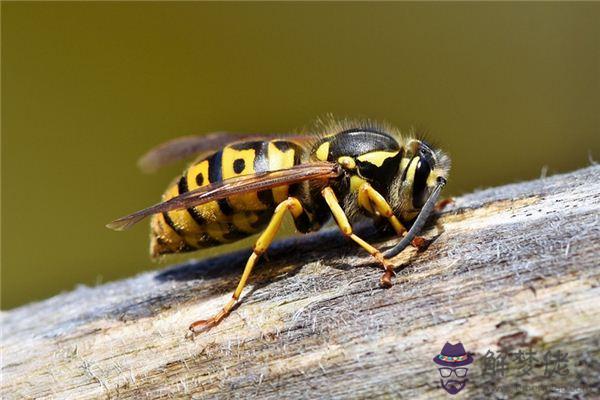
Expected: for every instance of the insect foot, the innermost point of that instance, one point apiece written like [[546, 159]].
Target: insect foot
[[442, 204], [203, 325], [386, 279], [420, 243]]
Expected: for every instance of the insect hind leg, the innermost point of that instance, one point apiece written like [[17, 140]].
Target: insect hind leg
[[263, 242]]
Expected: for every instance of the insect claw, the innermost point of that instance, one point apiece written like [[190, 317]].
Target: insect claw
[[202, 326], [386, 279], [442, 204], [420, 243]]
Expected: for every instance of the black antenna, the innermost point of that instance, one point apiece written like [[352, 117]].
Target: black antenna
[[419, 222]]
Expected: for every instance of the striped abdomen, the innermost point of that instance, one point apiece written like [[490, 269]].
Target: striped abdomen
[[230, 219]]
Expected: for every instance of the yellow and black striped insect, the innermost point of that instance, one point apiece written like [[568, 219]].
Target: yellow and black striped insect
[[242, 185]]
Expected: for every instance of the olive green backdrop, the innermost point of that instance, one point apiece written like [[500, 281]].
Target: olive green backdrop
[[87, 87]]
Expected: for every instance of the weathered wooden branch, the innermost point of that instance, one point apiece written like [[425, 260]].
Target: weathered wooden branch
[[511, 267]]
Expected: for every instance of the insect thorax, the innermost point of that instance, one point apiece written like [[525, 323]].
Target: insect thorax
[[367, 155]]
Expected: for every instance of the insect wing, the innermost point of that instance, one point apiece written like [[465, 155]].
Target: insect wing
[[233, 186], [193, 145]]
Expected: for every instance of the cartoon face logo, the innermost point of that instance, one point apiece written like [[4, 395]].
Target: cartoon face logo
[[452, 361]]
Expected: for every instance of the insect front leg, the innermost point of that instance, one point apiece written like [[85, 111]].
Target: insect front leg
[[345, 227], [262, 244], [442, 204], [370, 199]]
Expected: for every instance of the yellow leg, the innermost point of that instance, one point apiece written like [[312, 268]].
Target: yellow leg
[[346, 228], [372, 200], [369, 198], [262, 244]]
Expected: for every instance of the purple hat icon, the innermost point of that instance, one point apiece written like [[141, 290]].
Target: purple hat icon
[[453, 355]]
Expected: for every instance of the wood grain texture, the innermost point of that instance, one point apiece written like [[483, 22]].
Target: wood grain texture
[[511, 267]]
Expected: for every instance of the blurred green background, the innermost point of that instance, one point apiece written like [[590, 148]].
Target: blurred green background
[[506, 89]]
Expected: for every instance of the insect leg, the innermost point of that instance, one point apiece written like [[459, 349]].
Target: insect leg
[[442, 204], [262, 243], [367, 196], [346, 228]]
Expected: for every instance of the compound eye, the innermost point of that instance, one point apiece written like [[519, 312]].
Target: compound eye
[[420, 183]]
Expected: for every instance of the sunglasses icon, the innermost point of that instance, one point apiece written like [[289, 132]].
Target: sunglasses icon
[[459, 372]]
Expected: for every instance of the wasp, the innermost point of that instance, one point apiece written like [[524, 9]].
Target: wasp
[[240, 185]]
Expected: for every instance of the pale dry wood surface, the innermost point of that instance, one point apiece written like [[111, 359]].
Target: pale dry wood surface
[[513, 266]]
